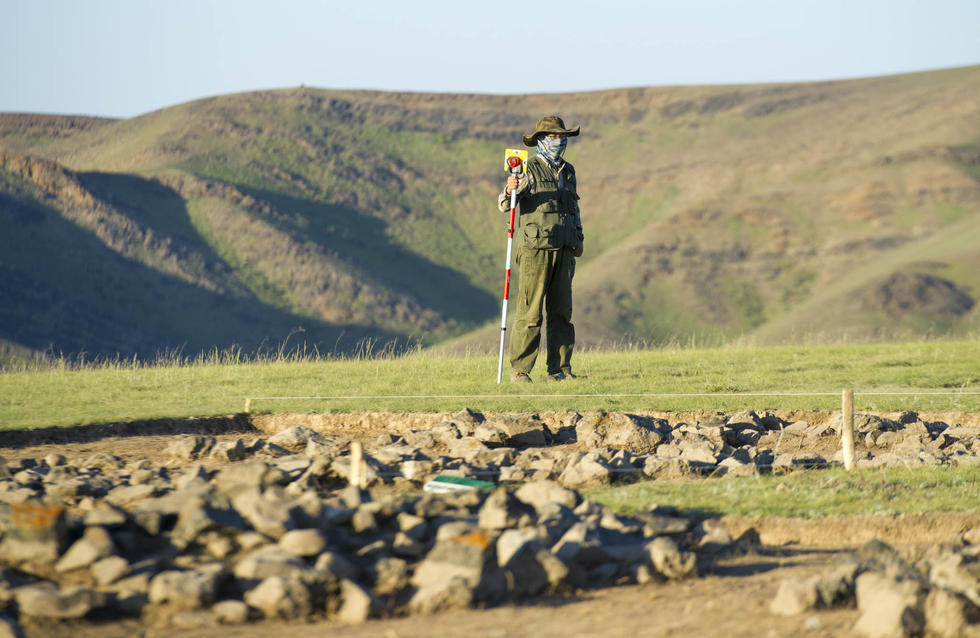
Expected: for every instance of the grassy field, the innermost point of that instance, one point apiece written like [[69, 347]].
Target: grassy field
[[808, 494], [925, 376]]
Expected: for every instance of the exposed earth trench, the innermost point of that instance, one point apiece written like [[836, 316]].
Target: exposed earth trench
[[731, 595]]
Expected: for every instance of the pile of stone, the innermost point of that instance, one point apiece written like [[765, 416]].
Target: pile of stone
[[938, 595], [275, 531], [230, 531]]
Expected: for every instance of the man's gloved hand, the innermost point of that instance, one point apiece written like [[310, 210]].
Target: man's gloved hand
[[577, 251], [511, 184]]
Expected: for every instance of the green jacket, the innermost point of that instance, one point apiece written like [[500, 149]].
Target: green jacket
[[549, 208]]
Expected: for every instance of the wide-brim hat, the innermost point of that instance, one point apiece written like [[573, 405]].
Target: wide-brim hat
[[550, 124]]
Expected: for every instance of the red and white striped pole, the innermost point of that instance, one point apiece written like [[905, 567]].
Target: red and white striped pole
[[515, 163]]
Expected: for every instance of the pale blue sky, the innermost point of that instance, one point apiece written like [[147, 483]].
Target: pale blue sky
[[126, 57]]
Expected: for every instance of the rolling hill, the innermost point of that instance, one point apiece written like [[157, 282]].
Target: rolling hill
[[770, 213]]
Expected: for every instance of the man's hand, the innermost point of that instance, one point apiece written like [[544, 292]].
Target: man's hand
[[577, 251], [511, 184]]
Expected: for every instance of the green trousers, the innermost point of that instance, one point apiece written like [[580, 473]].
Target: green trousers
[[545, 283]]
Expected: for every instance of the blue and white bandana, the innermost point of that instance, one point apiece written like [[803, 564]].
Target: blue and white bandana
[[551, 148]]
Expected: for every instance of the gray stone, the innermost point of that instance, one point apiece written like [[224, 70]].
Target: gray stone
[[455, 593], [95, 543], [270, 560], [948, 615], [888, 607], [109, 569], [413, 526], [229, 451], [270, 512], [9, 628], [390, 576], [585, 469], [231, 612], [125, 494], [335, 566], [405, 545], [42, 601], [105, 515], [288, 598], [794, 597], [104, 462], [416, 470], [669, 560], [539, 493], [619, 431], [32, 533], [189, 447], [303, 542], [295, 438], [355, 603], [205, 512], [55, 460], [501, 510], [950, 571], [465, 557], [468, 448], [192, 589], [489, 434], [581, 544]]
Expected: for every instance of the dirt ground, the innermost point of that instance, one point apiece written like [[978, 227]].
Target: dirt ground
[[730, 599]]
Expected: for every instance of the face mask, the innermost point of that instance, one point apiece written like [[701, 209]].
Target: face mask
[[551, 148]]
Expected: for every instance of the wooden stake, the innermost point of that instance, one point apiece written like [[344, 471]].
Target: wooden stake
[[248, 404], [847, 428], [356, 460]]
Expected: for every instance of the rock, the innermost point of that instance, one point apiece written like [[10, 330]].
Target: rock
[[619, 431], [581, 544], [668, 559], [951, 572], [539, 493], [888, 607], [464, 557], [335, 566], [205, 512], [229, 451], [355, 603], [288, 598], [521, 432], [189, 447], [585, 469], [270, 511], [192, 589], [467, 448], [416, 470], [231, 612], [55, 460], [9, 628], [303, 542], [455, 593], [95, 543], [500, 510], [267, 561], [109, 569], [948, 615], [296, 438], [32, 533], [125, 494], [794, 597], [42, 601], [104, 462]]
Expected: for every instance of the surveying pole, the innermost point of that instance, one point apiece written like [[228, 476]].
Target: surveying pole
[[514, 162]]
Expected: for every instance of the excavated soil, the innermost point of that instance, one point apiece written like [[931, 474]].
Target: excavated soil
[[731, 599]]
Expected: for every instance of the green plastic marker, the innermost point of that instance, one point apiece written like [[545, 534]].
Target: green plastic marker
[[442, 484]]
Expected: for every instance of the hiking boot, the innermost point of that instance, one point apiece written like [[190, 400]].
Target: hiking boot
[[567, 374], [520, 377], [555, 377]]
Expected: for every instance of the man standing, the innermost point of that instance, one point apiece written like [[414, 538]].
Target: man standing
[[550, 240]]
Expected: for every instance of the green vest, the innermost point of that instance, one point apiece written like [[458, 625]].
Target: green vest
[[549, 210]]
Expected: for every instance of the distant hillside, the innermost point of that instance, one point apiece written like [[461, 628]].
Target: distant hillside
[[769, 212]]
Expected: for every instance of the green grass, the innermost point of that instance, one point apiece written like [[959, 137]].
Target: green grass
[[808, 494], [128, 390]]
